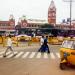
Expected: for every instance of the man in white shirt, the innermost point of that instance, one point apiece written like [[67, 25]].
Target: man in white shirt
[[9, 46], [41, 42]]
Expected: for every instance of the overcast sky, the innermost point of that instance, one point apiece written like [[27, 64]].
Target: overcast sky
[[35, 9]]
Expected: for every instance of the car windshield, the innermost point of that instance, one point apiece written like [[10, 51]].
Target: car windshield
[[68, 44]]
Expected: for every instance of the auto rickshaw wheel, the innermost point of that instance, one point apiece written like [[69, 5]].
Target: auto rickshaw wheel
[[62, 66]]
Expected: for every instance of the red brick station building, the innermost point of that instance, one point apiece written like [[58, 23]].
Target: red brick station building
[[33, 24]]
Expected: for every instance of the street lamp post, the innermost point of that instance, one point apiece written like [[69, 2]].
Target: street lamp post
[[70, 12]]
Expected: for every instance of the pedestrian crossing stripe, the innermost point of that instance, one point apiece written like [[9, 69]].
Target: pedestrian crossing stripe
[[38, 55], [8, 53], [1, 52], [11, 55], [30, 55], [58, 55], [25, 55], [45, 55], [52, 55], [19, 54]]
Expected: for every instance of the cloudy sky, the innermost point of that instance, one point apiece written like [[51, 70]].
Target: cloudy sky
[[35, 9]]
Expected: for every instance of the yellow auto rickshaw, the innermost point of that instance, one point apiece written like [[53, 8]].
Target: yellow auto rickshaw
[[67, 54]]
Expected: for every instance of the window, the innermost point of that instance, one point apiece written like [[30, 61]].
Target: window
[[68, 44]]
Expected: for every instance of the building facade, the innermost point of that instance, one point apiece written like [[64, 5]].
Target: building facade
[[31, 25], [66, 25], [7, 26]]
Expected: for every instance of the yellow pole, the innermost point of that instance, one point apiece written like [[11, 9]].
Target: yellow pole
[[29, 42], [17, 41]]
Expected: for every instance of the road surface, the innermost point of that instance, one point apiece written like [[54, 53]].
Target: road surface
[[28, 61]]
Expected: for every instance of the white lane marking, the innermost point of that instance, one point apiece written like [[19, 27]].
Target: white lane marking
[[52, 56], [1, 56], [25, 55], [38, 55], [32, 55], [58, 55], [9, 56], [45, 55], [2, 52], [8, 53], [19, 54]]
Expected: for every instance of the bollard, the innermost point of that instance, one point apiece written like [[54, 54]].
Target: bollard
[[17, 42], [3, 43], [29, 42]]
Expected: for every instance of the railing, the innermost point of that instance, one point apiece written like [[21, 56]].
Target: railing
[[32, 41]]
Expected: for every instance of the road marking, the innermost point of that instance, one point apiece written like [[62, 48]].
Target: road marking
[[1, 56], [45, 55], [58, 55], [19, 54], [2, 52], [8, 53], [25, 55], [32, 55], [9, 56], [52, 56], [38, 55]]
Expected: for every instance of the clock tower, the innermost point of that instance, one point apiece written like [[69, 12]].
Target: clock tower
[[52, 13]]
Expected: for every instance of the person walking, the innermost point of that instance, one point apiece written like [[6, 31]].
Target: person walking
[[41, 43], [46, 47], [42, 40], [9, 46]]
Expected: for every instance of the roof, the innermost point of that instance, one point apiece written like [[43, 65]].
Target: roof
[[4, 22], [37, 21]]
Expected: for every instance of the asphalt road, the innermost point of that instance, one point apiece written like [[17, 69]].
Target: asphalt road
[[29, 61]]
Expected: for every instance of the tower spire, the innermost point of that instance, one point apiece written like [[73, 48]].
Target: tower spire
[[52, 5]]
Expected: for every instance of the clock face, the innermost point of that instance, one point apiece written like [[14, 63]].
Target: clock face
[[24, 24], [51, 15]]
